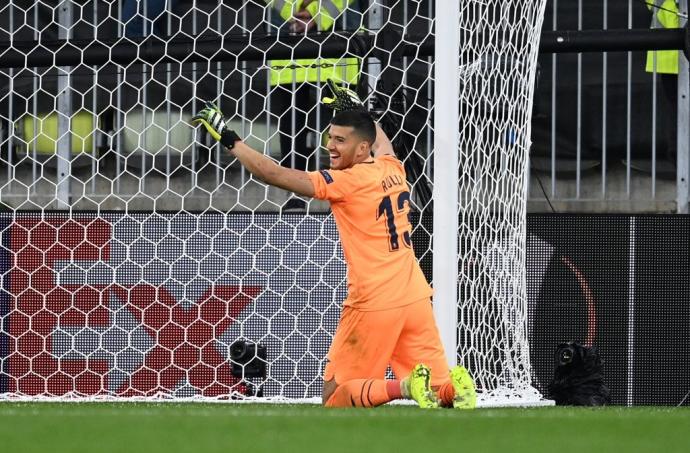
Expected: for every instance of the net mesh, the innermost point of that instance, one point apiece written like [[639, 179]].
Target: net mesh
[[138, 259], [497, 66]]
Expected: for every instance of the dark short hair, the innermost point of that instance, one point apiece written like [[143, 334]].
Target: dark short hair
[[360, 120]]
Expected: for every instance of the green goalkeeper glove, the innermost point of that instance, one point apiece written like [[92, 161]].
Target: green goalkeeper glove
[[214, 122], [343, 99]]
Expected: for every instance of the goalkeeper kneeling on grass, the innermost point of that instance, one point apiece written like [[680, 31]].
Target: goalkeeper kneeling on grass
[[387, 318]]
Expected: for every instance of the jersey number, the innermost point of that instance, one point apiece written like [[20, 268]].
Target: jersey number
[[386, 207]]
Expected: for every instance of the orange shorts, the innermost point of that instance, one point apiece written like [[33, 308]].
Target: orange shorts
[[366, 342]]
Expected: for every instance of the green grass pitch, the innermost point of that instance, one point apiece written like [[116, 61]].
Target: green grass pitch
[[203, 428]]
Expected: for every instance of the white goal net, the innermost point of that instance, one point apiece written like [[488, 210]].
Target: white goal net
[[498, 52], [139, 260]]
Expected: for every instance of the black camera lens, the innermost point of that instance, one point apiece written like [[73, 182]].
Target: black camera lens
[[238, 351], [565, 355], [248, 359]]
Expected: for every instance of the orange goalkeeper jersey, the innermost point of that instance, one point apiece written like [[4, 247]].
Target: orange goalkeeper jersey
[[371, 203]]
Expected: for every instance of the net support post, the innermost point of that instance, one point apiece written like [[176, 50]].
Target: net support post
[[63, 148], [683, 147], [375, 10], [445, 193]]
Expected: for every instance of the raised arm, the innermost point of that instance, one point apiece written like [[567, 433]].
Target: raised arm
[[268, 170], [345, 99], [261, 166], [382, 146]]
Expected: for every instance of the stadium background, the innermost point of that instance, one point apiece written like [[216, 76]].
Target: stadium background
[[617, 282]]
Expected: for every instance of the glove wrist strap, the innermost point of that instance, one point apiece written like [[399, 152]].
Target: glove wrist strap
[[228, 138]]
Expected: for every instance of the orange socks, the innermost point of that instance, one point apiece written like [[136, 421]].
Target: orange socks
[[446, 394], [375, 392], [365, 393]]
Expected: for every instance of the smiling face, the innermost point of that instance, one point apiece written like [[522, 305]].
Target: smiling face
[[346, 148]]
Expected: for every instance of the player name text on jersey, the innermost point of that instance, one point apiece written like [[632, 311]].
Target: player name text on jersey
[[391, 181]]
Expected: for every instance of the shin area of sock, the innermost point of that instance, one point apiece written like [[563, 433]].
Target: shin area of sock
[[362, 393]]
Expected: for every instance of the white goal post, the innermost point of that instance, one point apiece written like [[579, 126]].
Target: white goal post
[[140, 262], [481, 173]]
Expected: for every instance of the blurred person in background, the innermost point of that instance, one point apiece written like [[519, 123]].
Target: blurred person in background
[[300, 122], [665, 62]]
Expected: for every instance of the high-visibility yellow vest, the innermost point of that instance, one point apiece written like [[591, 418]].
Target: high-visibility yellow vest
[[45, 135], [666, 60], [325, 13]]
